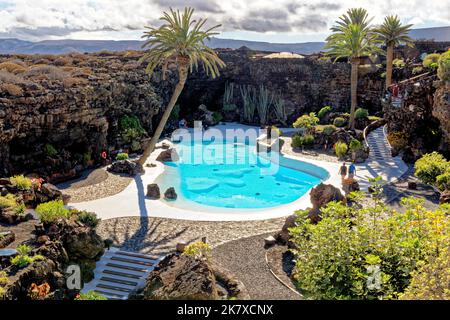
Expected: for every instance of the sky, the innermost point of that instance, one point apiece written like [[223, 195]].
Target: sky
[[282, 21]]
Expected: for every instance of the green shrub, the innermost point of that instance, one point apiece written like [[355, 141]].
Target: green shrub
[[361, 113], [88, 218], [19, 210], [329, 129], [277, 131], [8, 201], [90, 295], [398, 140], [444, 66], [21, 182], [198, 250], [50, 150], [339, 122], [430, 166], [443, 180], [431, 60], [217, 116], [306, 121], [399, 63], [322, 112], [355, 145], [340, 148], [3, 278], [23, 259], [417, 70], [302, 140], [373, 118], [122, 156], [52, 211]]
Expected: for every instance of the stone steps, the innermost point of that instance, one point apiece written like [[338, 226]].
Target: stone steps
[[119, 273]]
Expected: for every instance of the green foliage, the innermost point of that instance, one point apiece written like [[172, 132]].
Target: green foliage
[[444, 66], [322, 112], [339, 122], [399, 63], [19, 210], [340, 148], [8, 201], [366, 252], [228, 97], [23, 259], [302, 140], [276, 131], [122, 156], [355, 145], [88, 218], [198, 250], [443, 180], [398, 140], [90, 295], [279, 107], [361, 113], [327, 130], [430, 166], [431, 60], [52, 211], [21, 182], [3, 278], [23, 249], [417, 70], [249, 100], [373, 118], [306, 121], [175, 114], [131, 129], [217, 116], [50, 150]]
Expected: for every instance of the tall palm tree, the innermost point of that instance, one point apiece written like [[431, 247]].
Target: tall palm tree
[[393, 33], [353, 37], [178, 42]]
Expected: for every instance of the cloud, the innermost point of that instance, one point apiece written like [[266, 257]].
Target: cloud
[[55, 19]]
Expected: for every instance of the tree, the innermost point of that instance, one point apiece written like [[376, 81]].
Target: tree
[[393, 33], [353, 38], [178, 42]]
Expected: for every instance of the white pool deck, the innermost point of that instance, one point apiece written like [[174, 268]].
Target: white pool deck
[[132, 201]]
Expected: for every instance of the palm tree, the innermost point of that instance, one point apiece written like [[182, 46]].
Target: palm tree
[[178, 42], [393, 33], [353, 38]]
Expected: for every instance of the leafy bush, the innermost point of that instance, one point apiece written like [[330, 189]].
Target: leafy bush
[[399, 63], [90, 295], [373, 118], [339, 122], [340, 148], [52, 211], [3, 278], [431, 60], [327, 130], [50, 150], [417, 70], [366, 253], [306, 121], [430, 166], [198, 250], [398, 140], [443, 180], [302, 140], [217, 116], [355, 145], [361, 113], [276, 131], [19, 210], [322, 112], [131, 128], [8, 201], [444, 66], [21, 182], [122, 156], [23, 259], [88, 218]]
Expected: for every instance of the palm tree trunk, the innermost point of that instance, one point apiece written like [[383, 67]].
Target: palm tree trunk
[[389, 60], [182, 75], [354, 91]]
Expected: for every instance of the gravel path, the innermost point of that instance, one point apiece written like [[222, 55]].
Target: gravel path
[[160, 235], [95, 184], [246, 259]]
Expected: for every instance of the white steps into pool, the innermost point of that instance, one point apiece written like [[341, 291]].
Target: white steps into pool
[[119, 273]]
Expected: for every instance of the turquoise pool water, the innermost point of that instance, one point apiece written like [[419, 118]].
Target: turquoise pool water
[[232, 175]]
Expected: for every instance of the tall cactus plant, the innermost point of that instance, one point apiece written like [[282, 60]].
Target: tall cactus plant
[[265, 99], [248, 94], [279, 107], [228, 97]]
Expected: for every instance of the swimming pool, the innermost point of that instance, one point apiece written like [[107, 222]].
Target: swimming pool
[[227, 174]]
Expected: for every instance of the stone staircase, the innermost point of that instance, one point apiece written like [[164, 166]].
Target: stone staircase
[[120, 273], [380, 150]]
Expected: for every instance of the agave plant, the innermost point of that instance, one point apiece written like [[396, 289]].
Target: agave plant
[[179, 42], [353, 37], [393, 33]]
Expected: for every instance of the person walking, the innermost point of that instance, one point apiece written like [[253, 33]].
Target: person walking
[[352, 170], [343, 171]]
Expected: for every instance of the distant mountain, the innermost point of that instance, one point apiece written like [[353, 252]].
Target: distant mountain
[[9, 46]]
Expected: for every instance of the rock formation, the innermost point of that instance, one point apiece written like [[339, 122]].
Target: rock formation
[[320, 196]]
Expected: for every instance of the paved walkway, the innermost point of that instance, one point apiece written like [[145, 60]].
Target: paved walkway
[[120, 273]]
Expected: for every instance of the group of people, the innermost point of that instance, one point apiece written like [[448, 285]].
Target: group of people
[[351, 170]]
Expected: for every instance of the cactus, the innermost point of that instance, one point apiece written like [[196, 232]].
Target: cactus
[[265, 99], [248, 94], [280, 109], [228, 104]]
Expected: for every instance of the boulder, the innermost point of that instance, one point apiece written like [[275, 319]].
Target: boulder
[[283, 236], [320, 196], [181, 277], [445, 197], [170, 194], [82, 242], [269, 241], [6, 238], [412, 185], [168, 155], [48, 192], [127, 167], [350, 185], [153, 191]]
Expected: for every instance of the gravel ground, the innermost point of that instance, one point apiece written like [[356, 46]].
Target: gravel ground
[[95, 184], [245, 258], [311, 154], [22, 231], [159, 235]]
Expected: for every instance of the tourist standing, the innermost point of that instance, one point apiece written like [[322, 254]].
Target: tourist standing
[[343, 171], [352, 170]]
